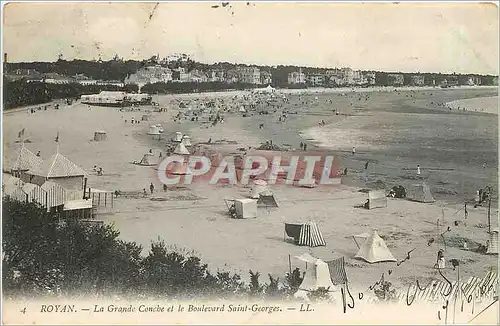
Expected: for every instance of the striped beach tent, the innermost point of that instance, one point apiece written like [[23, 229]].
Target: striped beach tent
[[310, 235]]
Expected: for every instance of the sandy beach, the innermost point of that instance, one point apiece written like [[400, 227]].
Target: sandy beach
[[481, 104], [389, 129]]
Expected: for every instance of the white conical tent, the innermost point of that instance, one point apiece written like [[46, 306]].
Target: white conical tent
[[317, 276], [181, 150], [374, 250]]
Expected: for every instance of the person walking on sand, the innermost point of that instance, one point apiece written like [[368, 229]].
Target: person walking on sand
[[152, 188], [301, 146], [305, 147], [164, 188], [353, 150], [418, 169], [144, 192]]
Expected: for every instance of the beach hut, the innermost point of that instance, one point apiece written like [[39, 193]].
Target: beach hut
[[153, 130], [100, 135], [374, 250], [420, 193], [258, 187], [186, 140], [377, 199], [317, 276], [245, 208], [493, 243], [305, 234], [60, 170], [178, 136]]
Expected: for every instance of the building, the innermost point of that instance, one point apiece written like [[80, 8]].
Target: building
[[55, 78], [316, 79], [181, 75], [60, 170], [198, 76], [249, 75], [150, 75], [217, 75], [176, 57], [473, 81], [232, 76], [296, 77], [266, 78], [30, 75], [417, 80], [395, 79], [369, 77]]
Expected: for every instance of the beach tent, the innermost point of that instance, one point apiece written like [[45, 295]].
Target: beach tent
[[493, 243], [421, 193], [374, 250], [306, 234], [153, 130], [266, 199], [181, 150], [258, 187], [100, 135], [178, 136], [245, 208], [317, 276], [186, 140], [377, 199]]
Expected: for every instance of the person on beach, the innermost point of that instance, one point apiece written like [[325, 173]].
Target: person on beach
[[38, 153], [160, 155], [418, 169], [164, 188], [440, 263], [366, 165], [466, 213], [151, 188], [301, 146], [353, 150], [305, 147], [144, 192]]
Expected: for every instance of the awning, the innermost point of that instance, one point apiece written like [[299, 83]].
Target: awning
[[78, 204]]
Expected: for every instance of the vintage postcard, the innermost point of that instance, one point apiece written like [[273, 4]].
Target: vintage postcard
[[250, 162]]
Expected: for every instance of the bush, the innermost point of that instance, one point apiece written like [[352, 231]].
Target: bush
[[43, 256]]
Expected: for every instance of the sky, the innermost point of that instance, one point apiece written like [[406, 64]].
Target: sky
[[407, 37]]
